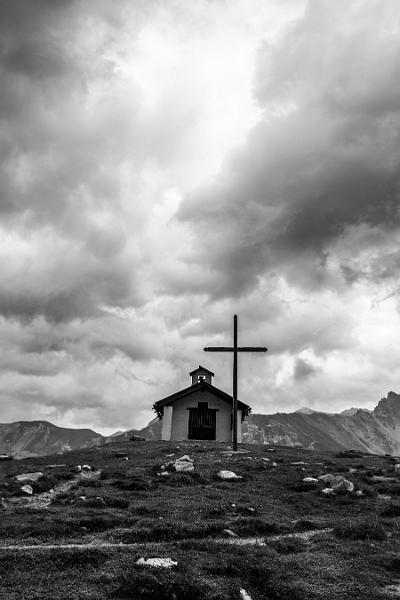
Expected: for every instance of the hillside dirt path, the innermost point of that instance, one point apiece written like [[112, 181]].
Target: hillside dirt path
[[248, 541], [44, 499]]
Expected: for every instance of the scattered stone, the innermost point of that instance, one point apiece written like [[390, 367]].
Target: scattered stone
[[266, 459], [169, 455], [3, 503], [359, 493], [352, 470], [274, 464], [230, 533], [299, 463], [244, 595], [164, 474], [5, 457], [29, 476], [396, 468], [228, 476], [126, 458], [310, 480], [27, 489], [328, 492], [86, 468], [163, 563], [184, 464], [271, 449], [337, 482]]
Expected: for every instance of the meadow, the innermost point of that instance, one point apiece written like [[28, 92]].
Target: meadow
[[270, 533]]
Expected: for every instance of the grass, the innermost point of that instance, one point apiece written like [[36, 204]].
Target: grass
[[183, 516]]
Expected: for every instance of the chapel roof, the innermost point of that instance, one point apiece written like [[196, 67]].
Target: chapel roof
[[201, 369], [158, 406]]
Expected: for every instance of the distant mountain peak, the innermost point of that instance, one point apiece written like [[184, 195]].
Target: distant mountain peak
[[305, 410]]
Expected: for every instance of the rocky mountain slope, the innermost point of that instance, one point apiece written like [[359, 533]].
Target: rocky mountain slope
[[36, 438], [376, 431]]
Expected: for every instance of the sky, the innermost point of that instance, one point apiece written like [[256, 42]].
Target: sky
[[166, 164]]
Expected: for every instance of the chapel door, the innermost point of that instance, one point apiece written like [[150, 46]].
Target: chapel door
[[202, 423]]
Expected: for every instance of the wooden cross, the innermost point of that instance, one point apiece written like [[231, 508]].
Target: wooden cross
[[235, 349]]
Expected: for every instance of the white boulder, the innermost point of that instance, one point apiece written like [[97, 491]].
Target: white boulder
[[27, 489], [86, 468], [29, 476], [337, 482], [163, 563], [184, 464], [228, 476], [244, 595], [328, 491], [310, 480]]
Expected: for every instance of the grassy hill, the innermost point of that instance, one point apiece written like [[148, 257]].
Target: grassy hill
[[81, 533]]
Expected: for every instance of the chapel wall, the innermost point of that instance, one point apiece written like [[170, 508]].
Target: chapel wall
[[180, 418]]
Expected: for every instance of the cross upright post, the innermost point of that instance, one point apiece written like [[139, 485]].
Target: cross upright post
[[235, 349]]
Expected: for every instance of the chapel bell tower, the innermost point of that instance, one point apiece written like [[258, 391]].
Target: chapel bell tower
[[201, 374]]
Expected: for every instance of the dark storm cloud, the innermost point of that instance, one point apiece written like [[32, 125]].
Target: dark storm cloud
[[324, 158], [303, 370]]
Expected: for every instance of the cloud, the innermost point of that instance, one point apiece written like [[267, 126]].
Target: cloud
[[324, 158], [162, 168]]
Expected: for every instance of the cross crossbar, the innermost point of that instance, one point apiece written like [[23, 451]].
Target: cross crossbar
[[238, 349], [235, 349]]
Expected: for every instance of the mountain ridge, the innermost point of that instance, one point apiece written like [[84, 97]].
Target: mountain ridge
[[376, 431]]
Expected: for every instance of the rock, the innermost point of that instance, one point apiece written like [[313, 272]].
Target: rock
[[126, 458], [337, 482], [230, 533], [299, 462], [169, 455], [244, 595], [184, 464], [27, 489], [271, 449], [274, 464], [228, 476], [137, 438], [86, 468], [164, 474], [121, 454], [396, 468], [359, 493], [3, 503], [310, 480], [266, 459], [58, 466], [345, 485], [29, 476], [78, 468], [163, 563], [5, 457], [328, 491]]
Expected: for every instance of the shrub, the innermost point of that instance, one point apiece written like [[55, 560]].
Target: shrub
[[254, 526], [391, 511], [302, 486], [142, 583], [289, 545], [361, 530], [132, 484]]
